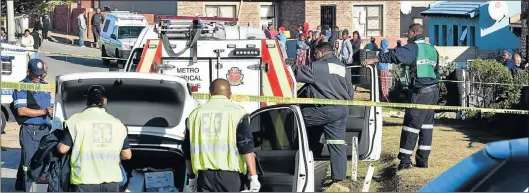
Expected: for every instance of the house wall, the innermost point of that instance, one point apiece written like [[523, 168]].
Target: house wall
[[497, 35], [161, 7]]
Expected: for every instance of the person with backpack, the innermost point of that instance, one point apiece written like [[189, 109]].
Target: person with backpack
[[33, 111]]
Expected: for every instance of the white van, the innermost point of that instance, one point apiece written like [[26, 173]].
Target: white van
[[119, 33], [154, 108]]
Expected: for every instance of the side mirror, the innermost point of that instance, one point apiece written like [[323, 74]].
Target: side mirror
[[113, 36]]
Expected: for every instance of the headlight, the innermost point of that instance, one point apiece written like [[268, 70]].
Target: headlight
[[125, 47]]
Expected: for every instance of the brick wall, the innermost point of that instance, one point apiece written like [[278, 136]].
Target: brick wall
[[189, 8], [291, 14]]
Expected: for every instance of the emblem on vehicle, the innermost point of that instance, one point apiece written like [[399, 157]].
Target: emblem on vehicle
[[235, 76]]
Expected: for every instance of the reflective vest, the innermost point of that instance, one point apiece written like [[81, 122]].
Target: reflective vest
[[97, 142], [212, 132], [425, 63]]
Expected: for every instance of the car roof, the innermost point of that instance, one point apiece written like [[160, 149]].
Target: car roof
[[124, 75]]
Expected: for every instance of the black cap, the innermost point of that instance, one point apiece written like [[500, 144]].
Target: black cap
[[36, 66], [95, 94]]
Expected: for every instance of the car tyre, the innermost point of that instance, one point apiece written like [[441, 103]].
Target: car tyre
[[106, 62], [3, 121]]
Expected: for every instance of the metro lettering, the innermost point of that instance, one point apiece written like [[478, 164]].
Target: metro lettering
[[188, 70]]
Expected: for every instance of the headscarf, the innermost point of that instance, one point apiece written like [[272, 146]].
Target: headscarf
[[384, 46]]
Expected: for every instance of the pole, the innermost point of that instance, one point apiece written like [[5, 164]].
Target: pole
[[10, 21]]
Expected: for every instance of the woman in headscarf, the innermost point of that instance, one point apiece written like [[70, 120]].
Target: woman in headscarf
[[356, 41], [301, 50], [385, 74]]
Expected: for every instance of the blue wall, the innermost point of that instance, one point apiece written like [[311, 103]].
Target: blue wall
[[498, 35], [488, 34]]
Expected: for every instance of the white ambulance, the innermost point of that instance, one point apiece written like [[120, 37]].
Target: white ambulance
[[13, 69], [179, 48], [119, 33]]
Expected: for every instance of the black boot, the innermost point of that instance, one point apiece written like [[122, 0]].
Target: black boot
[[421, 164], [404, 166]]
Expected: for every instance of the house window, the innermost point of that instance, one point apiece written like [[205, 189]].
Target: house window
[[436, 35], [328, 16], [368, 20], [268, 15], [472, 36], [221, 11], [463, 38], [417, 20], [445, 35], [455, 35]]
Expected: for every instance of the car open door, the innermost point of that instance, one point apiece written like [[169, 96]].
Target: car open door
[[364, 123], [282, 149]]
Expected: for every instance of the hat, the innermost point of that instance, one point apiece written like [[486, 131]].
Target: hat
[[282, 28], [509, 51], [345, 32], [36, 66]]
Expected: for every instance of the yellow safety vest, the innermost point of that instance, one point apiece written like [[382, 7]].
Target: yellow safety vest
[[213, 131], [97, 141]]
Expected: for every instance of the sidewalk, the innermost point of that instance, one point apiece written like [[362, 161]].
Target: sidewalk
[[68, 39]]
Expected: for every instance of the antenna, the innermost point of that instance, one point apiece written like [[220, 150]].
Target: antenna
[[497, 10], [405, 7]]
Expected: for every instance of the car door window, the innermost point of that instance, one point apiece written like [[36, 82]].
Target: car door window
[[509, 177], [105, 27], [135, 60], [275, 129]]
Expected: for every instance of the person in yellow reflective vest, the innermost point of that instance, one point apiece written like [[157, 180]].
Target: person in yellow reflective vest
[[219, 145], [101, 143]]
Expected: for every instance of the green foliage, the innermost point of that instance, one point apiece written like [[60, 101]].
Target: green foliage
[[503, 95], [34, 6]]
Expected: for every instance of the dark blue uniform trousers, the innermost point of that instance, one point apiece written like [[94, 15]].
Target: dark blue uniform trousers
[[418, 123], [331, 121], [29, 136]]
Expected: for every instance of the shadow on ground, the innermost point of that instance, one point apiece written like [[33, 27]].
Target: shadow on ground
[[473, 130], [11, 158], [82, 61]]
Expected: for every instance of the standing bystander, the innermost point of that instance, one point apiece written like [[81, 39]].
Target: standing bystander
[[46, 26], [346, 51], [81, 22], [97, 21], [385, 74]]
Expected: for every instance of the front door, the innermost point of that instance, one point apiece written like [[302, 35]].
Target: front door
[[282, 149]]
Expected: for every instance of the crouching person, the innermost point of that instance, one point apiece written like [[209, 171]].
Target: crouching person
[[101, 143]]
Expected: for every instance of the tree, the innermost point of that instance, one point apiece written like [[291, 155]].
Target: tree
[[33, 6]]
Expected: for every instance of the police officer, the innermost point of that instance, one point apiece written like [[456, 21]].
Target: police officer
[[98, 142], [326, 78], [422, 60], [219, 144], [34, 109]]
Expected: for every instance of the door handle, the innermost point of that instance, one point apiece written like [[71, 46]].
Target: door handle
[[259, 67], [302, 175]]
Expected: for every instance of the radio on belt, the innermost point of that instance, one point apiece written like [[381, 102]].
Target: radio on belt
[[246, 52]]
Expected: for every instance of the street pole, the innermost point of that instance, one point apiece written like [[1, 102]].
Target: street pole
[[10, 21]]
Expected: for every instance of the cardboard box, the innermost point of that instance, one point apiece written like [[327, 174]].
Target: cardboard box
[[159, 179]]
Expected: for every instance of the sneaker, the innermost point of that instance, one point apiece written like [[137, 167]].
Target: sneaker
[[404, 166]]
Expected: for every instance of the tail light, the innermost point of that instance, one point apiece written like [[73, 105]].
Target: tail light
[[194, 89], [7, 65]]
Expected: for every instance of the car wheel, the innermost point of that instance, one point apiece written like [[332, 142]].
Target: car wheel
[[3, 122], [104, 54]]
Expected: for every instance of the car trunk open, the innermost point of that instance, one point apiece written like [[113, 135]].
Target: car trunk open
[[138, 103]]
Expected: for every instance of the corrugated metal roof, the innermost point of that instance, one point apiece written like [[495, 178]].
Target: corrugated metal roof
[[454, 8]]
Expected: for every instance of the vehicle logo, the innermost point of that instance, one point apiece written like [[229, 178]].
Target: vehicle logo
[[235, 76]]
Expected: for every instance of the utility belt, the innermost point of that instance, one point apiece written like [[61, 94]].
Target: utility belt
[[426, 89], [37, 126]]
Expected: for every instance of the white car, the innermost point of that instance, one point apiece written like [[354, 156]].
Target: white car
[[154, 108], [119, 33]]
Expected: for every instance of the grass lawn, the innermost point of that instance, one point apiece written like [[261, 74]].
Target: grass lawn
[[452, 141]]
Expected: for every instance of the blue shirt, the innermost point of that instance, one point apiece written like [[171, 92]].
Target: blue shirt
[[282, 38], [509, 64], [42, 98]]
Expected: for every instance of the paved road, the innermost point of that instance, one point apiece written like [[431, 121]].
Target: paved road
[[57, 65]]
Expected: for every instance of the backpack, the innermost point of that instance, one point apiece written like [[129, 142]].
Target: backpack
[[31, 103]]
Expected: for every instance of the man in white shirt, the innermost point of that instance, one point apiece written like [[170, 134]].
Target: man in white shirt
[[27, 40], [81, 22]]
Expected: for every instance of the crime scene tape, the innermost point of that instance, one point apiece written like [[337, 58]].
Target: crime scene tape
[[63, 54], [291, 100], [460, 81]]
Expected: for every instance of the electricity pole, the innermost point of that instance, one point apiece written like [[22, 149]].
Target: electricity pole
[[10, 21]]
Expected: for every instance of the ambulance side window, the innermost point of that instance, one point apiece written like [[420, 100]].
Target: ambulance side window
[[136, 56], [105, 28], [275, 129]]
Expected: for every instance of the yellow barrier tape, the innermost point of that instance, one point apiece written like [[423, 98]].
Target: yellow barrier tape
[[63, 54], [291, 100]]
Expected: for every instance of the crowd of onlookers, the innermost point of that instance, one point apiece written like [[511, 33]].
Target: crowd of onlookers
[[512, 61]]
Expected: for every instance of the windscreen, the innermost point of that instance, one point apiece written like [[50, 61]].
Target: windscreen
[[135, 102], [129, 31]]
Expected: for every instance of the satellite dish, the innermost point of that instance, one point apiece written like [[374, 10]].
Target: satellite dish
[[405, 7], [497, 10]]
